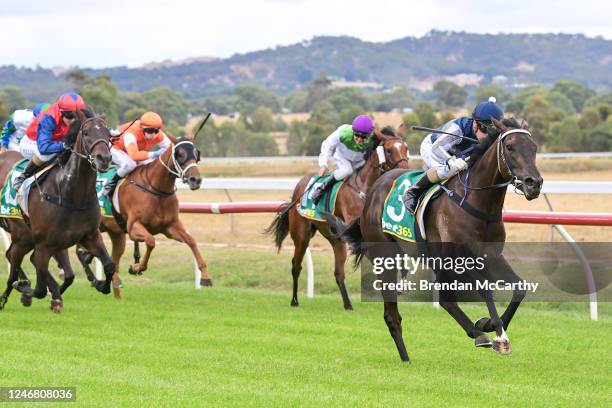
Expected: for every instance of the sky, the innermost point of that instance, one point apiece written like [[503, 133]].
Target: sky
[[104, 33]]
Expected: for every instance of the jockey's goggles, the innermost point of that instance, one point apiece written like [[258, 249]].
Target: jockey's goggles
[[68, 114], [361, 135], [151, 131]]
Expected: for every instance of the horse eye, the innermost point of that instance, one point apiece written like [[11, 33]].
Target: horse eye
[[510, 148], [389, 151]]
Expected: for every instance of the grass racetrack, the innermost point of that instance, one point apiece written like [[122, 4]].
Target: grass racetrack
[[167, 344]]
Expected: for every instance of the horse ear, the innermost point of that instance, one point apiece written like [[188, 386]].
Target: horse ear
[[400, 130], [524, 124], [498, 124], [379, 135]]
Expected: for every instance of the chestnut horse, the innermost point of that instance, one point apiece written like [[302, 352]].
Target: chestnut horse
[[507, 156], [349, 204], [63, 211], [149, 206]]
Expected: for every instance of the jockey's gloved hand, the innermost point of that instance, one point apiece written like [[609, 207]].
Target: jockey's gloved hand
[[155, 154], [456, 164], [114, 132]]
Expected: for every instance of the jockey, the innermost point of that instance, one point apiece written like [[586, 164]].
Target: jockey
[[15, 127], [347, 146], [45, 135], [436, 148], [131, 149]]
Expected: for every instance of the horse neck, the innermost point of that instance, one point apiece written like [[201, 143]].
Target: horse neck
[[77, 178], [486, 173], [369, 173], [157, 174]]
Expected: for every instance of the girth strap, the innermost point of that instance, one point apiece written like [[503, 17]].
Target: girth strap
[[461, 202], [151, 190]]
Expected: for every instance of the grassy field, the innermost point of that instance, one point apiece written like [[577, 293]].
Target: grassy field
[[169, 345]]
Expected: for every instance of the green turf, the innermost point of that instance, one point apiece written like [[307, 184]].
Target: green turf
[[168, 344]]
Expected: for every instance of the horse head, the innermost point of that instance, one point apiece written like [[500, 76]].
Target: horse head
[[92, 141], [185, 157], [516, 156], [391, 150]]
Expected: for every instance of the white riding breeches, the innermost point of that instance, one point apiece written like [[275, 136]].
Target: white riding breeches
[[124, 162], [29, 149], [344, 167], [429, 161]]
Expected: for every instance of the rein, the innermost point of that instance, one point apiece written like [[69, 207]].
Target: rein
[[461, 201], [87, 156]]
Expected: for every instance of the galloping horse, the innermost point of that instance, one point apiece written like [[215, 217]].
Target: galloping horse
[[507, 156], [149, 206], [350, 201], [63, 211]]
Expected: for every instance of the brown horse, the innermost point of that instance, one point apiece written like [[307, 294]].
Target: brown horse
[[349, 205], [149, 206], [507, 156], [63, 211]]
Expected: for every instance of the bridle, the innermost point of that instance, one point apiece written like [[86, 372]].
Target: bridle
[[501, 159], [382, 159], [81, 145], [178, 171]]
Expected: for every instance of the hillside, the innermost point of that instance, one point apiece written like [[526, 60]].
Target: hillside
[[467, 58]]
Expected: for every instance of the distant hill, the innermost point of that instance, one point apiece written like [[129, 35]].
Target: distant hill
[[468, 58]]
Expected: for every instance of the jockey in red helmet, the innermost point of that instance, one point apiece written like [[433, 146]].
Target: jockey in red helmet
[[45, 135]]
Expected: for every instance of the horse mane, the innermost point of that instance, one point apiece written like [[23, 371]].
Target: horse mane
[[492, 135]]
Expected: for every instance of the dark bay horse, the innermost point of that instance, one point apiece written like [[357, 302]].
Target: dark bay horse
[[63, 211], [506, 156], [149, 206], [349, 205]]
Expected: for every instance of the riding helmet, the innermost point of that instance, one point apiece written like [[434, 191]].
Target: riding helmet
[[485, 111]]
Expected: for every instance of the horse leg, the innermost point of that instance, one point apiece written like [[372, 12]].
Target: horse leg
[[394, 323], [94, 244], [118, 240], [40, 258], [340, 253], [299, 228], [501, 343], [64, 261], [85, 257], [138, 232], [448, 302], [503, 268], [12, 254], [177, 232]]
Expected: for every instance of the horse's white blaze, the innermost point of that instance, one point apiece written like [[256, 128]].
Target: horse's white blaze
[[397, 145]]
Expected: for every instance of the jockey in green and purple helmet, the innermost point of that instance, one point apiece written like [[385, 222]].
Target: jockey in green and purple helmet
[[347, 146]]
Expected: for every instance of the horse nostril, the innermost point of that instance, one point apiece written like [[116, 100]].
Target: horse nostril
[[529, 181]]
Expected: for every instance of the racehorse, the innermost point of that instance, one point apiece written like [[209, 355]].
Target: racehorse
[[63, 211], [148, 205], [507, 156], [388, 152]]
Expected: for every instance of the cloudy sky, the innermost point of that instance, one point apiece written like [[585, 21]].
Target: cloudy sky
[[103, 33]]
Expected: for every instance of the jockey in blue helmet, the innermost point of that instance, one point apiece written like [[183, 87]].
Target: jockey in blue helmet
[[15, 127], [347, 146], [438, 161]]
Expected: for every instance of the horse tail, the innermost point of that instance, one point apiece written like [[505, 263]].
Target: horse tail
[[351, 234], [280, 226]]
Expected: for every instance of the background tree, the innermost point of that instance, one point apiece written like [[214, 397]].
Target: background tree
[[483, 93], [578, 94], [101, 95], [5, 111], [538, 114], [317, 91], [449, 94], [170, 104], [14, 97], [251, 96]]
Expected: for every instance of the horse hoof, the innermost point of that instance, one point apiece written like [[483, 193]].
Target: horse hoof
[[117, 285], [348, 307], [483, 341], [206, 282], [294, 303], [21, 285], [3, 301], [56, 306], [484, 325], [102, 287], [133, 271], [502, 347]]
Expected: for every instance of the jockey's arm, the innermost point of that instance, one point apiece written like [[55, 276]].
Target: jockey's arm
[[7, 130], [45, 144], [131, 146], [328, 147], [164, 144], [443, 144]]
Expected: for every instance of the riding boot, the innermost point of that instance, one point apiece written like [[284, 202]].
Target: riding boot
[[412, 195], [110, 186], [318, 193], [29, 171]]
